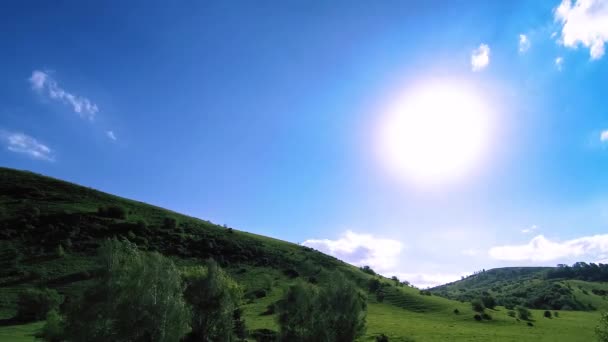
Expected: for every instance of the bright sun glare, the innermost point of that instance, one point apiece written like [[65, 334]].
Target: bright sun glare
[[436, 133]]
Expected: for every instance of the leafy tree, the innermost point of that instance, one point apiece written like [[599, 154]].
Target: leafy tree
[[477, 305], [367, 270], [214, 297], [488, 301], [169, 223], [112, 211], [138, 298], [547, 314], [53, 329], [34, 304], [373, 285], [601, 330], [334, 313]]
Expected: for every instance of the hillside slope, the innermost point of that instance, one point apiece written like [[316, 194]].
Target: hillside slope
[[530, 287], [50, 229]]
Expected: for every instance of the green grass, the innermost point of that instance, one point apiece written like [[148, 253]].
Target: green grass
[[65, 211]]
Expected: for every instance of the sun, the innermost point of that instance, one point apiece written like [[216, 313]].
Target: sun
[[435, 133]]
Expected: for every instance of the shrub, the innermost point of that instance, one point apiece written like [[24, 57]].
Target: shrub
[[547, 314], [477, 305], [380, 296], [170, 223], [488, 301], [373, 285], [486, 316], [381, 338], [477, 317], [60, 251], [53, 329], [555, 314], [456, 311], [34, 304], [264, 335], [530, 324], [523, 313], [511, 313], [368, 270], [112, 211]]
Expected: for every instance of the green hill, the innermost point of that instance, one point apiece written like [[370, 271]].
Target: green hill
[[533, 287], [50, 229]]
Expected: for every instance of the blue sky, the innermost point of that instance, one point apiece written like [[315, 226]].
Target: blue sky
[[264, 116]]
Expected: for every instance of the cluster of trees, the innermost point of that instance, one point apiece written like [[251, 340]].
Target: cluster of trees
[[144, 296], [581, 271]]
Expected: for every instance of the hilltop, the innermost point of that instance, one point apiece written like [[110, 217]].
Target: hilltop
[[50, 229]]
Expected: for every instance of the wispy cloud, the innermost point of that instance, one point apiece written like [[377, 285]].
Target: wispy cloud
[[524, 43], [480, 58], [559, 63], [541, 249], [25, 144], [111, 135], [530, 229], [361, 249], [584, 23], [604, 136], [42, 82]]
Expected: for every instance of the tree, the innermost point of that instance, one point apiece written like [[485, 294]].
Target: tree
[[488, 301], [53, 329], [601, 330], [334, 313], [34, 304], [523, 313], [138, 298], [547, 314], [214, 298], [477, 306]]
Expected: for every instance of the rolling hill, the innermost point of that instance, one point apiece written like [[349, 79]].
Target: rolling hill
[[50, 229]]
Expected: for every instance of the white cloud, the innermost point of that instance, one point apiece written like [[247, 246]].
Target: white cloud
[[470, 252], [559, 62], [361, 249], [604, 136], [584, 23], [542, 249], [23, 143], [425, 280], [44, 83], [530, 229], [480, 58], [524, 43], [111, 135]]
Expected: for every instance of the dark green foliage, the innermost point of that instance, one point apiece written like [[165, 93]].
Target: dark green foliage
[[581, 271], [380, 296], [112, 211], [368, 270], [425, 293], [214, 297], [381, 338], [547, 314], [264, 335], [530, 324], [53, 329], [456, 311], [334, 313], [556, 314], [10, 258], [477, 305], [373, 285], [170, 223], [488, 301], [601, 330], [34, 304], [138, 298], [523, 313], [240, 329], [478, 317], [511, 313], [486, 316]]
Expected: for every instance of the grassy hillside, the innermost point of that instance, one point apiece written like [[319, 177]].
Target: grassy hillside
[[530, 287], [50, 229]]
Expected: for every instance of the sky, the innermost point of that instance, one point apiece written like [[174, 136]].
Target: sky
[[426, 139]]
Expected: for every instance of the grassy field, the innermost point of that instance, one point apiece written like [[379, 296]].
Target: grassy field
[[38, 214]]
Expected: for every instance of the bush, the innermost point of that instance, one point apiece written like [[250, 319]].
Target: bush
[[477, 317], [477, 305], [264, 335], [368, 270], [488, 301], [53, 329], [486, 316], [373, 285], [380, 296], [530, 324], [523, 313], [381, 338], [34, 304], [511, 313], [547, 314], [456, 311], [555, 314], [170, 223], [112, 211]]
